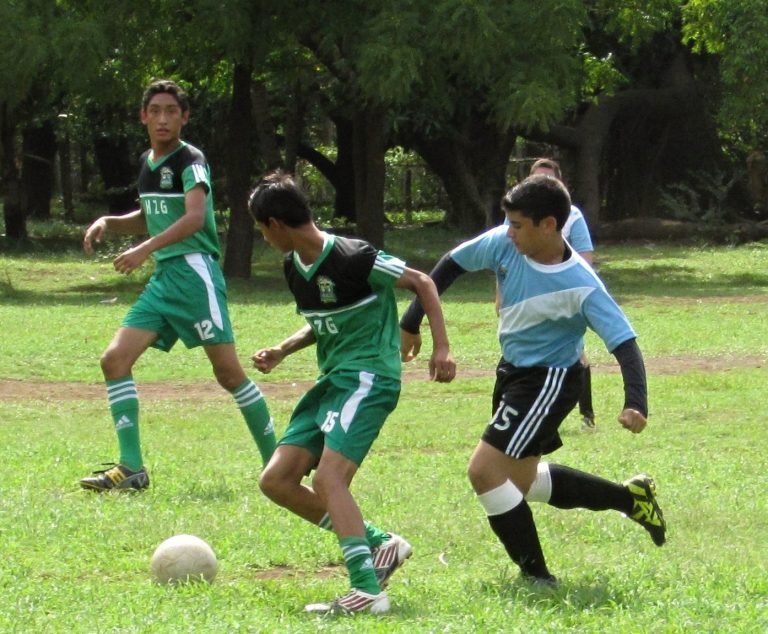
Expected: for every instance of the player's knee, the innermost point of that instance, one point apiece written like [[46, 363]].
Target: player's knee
[[228, 377], [114, 364], [271, 485], [477, 475]]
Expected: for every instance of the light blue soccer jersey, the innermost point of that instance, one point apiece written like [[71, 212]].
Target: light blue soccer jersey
[[576, 232], [545, 309]]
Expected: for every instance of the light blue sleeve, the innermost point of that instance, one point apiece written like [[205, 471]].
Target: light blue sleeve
[[578, 236], [481, 252], [607, 320]]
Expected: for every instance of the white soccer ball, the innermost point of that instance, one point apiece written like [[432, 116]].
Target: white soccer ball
[[183, 558]]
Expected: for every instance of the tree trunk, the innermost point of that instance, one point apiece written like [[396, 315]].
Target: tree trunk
[[237, 262], [65, 175], [37, 172], [13, 213], [344, 182], [266, 135], [339, 174], [113, 160], [294, 127], [472, 166], [369, 149], [632, 144]]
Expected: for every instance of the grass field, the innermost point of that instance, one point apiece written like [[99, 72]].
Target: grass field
[[74, 562]]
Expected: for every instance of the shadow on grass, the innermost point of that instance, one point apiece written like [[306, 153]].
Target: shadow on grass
[[658, 280], [565, 597]]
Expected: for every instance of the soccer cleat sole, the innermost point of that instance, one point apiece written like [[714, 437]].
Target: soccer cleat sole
[[354, 602]]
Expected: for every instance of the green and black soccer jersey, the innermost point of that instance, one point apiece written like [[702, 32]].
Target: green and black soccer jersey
[[347, 297], [162, 185]]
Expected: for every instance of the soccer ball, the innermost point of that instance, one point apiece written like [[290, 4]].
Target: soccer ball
[[183, 558]]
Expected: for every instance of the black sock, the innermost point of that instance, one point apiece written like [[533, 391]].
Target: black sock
[[577, 489], [517, 532], [585, 397]]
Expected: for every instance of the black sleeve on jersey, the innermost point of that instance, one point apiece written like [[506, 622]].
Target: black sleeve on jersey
[[444, 274], [633, 372]]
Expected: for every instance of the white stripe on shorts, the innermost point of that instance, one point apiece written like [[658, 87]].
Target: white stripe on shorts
[[538, 412], [200, 266], [350, 407]]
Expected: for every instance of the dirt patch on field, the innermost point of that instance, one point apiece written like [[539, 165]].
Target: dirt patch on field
[[17, 389], [282, 572]]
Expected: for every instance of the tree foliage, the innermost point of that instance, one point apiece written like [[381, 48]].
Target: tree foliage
[[734, 31]]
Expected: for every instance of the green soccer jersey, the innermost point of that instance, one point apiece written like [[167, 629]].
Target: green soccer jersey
[[162, 185], [347, 297]]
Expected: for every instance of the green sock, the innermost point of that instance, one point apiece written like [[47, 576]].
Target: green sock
[[373, 534], [357, 556], [124, 405], [251, 402]]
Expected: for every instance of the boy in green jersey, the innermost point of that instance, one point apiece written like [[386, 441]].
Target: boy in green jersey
[[345, 290], [186, 295]]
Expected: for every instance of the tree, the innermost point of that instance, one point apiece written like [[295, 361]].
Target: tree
[[733, 31]]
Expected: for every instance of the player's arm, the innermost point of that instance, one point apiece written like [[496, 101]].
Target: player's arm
[[444, 274], [131, 223], [442, 367], [191, 222], [266, 359], [633, 416]]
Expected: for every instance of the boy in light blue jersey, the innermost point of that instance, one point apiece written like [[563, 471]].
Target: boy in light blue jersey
[[549, 295], [576, 233]]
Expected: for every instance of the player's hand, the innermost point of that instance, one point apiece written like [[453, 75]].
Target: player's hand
[[128, 261], [266, 359], [94, 234], [632, 420], [410, 345], [442, 367]]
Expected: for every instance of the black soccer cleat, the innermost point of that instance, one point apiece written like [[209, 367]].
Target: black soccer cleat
[[118, 477], [645, 509]]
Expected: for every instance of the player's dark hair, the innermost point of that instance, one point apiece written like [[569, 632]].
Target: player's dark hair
[[537, 197], [278, 196], [160, 86], [549, 164]]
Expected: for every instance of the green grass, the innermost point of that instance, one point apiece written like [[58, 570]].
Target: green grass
[[80, 563]]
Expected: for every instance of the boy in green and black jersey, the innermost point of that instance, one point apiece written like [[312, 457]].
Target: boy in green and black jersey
[[186, 296]]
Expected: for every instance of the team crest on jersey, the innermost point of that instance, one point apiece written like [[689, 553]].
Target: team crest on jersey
[[502, 271], [327, 289], [166, 178]]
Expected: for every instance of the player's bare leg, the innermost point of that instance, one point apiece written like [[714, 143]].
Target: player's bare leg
[[281, 482], [500, 483], [231, 376], [117, 362]]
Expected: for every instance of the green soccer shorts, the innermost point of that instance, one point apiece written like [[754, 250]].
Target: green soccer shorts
[[186, 298], [343, 411]]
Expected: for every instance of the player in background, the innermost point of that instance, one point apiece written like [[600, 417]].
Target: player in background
[[344, 288], [549, 296], [576, 232], [186, 296]]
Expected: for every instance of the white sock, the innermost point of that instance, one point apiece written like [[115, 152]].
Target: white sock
[[501, 499], [541, 489]]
